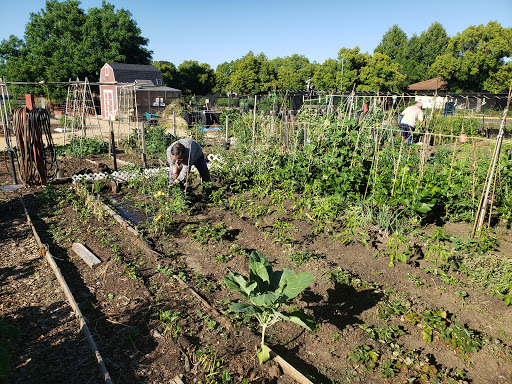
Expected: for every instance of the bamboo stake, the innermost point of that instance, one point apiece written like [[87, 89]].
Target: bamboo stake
[[397, 167], [483, 206], [254, 126]]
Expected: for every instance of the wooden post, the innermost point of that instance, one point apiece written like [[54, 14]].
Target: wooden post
[[113, 144], [227, 128], [174, 123], [254, 125]]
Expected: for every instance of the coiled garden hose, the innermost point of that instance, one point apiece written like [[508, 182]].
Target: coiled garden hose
[[38, 161]]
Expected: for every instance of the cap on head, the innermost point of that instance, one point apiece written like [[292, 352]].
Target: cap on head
[[419, 104]]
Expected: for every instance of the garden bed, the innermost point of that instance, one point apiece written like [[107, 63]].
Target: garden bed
[[375, 323]]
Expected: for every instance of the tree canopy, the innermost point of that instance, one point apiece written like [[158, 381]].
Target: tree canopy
[[474, 60], [62, 41]]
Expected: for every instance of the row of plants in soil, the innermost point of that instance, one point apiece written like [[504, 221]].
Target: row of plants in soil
[[352, 186], [166, 207], [159, 302], [352, 183]]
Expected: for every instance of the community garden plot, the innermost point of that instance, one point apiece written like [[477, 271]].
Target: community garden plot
[[400, 292]]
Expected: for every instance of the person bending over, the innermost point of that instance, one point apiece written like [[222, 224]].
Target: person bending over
[[181, 155], [410, 116]]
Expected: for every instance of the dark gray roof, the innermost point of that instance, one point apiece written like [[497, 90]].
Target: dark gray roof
[[128, 73]]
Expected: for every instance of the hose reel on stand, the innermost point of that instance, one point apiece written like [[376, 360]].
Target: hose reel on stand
[[37, 157]]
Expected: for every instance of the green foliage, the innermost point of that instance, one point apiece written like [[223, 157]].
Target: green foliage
[[456, 335], [481, 47], [233, 114], [194, 78], [62, 41], [169, 321], [208, 233], [266, 292], [83, 147], [385, 335], [365, 355], [157, 140], [302, 256], [399, 249], [437, 251]]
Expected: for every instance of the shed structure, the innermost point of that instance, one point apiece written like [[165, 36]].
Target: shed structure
[[131, 90], [426, 90]]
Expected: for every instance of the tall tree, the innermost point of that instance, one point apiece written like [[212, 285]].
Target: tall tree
[[195, 78], [380, 75], [473, 56], [293, 72], [61, 41], [111, 35], [353, 61], [169, 73], [433, 43], [325, 76], [393, 44], [422, 51], [499, 82], [245, 76], [223, 78]]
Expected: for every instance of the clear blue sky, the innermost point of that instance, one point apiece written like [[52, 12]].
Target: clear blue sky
[[217, 31]]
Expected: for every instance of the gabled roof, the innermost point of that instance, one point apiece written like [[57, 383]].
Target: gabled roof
[[128, 73], [428, 85]]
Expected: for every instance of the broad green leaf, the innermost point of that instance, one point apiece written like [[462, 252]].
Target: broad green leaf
[[265, 300], [238, 283], [427, 334], [275, 279], [264, 354], [260, 271], [245, 308], [295, 284], [300, 318]]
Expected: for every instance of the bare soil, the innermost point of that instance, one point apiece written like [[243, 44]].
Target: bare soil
[[123, 300]]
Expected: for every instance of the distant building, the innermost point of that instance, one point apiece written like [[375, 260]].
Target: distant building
[[425, 90], [130, 89]]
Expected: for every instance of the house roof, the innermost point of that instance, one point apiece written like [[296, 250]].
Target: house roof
[[156, 89], [128, 73], [428, 85]]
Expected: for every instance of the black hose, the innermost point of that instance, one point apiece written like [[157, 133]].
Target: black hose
[[38, 161]]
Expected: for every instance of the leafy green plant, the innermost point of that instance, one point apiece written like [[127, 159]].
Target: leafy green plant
[[440, 323], [169, 322], [266, 292], [207, 232], [437, 251], [365, 355], [385, 335], [83, 147], [399, 249], [302, 256]]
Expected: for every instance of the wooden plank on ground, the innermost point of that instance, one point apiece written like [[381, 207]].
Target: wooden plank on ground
[[90, 259]]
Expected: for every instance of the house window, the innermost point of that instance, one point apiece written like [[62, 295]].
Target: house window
[[158, 82], [106, 73]]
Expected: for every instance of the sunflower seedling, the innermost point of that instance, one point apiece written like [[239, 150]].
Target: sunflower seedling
[[266, 292]]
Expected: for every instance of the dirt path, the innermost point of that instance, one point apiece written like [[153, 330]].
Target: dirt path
[[50, 347]]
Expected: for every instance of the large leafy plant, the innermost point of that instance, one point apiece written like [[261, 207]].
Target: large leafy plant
[[266, 293]]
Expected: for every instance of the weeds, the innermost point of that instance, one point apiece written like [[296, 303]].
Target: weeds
[[169, 321], [302, 256]]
